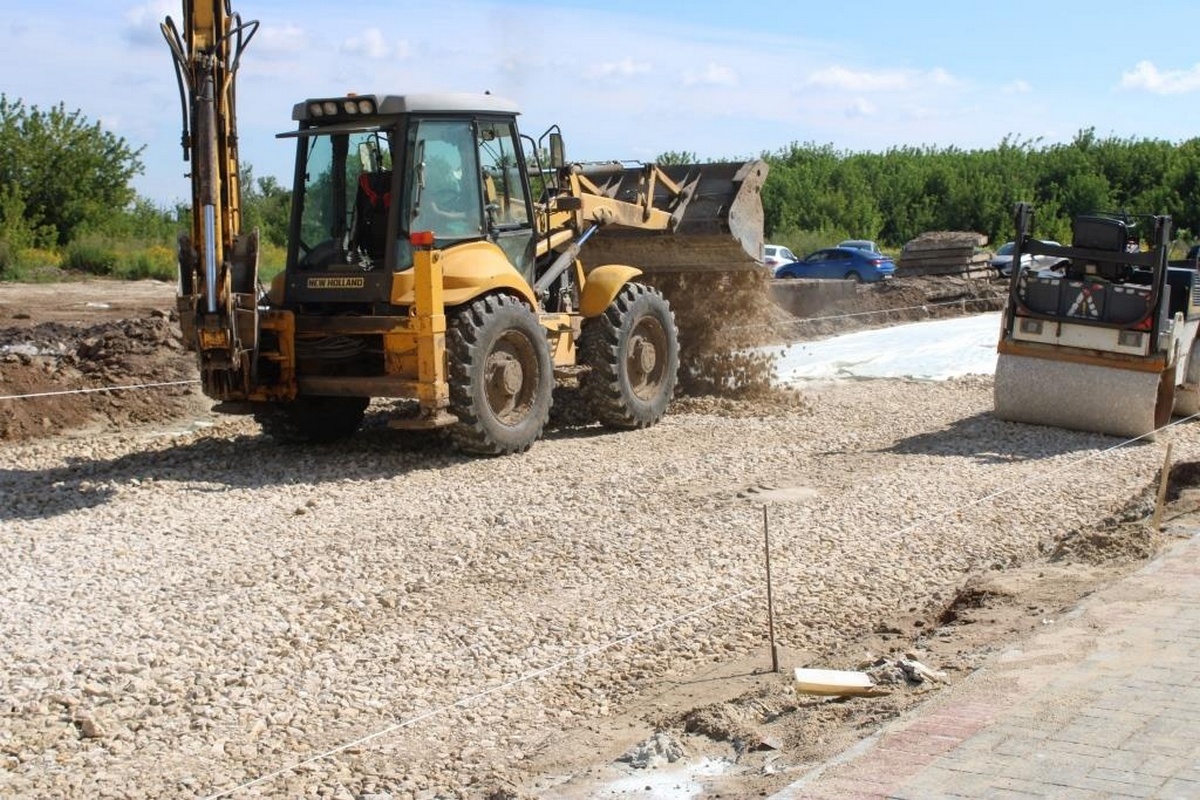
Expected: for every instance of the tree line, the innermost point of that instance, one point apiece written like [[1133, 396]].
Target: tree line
[[66, 198], [67, 201], [816, 194]]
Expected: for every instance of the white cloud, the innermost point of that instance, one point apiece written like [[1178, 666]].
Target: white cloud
[[859, 81], [152, 13], [625, 68], [284, 39], [373, 44], [844, 79], [939, 77], [141, 21], [712, 75], [1148, 77], [1017, 87], [860, 107]]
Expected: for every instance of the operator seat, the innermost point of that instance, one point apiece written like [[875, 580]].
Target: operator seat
[[1101, 233], [371, 205]]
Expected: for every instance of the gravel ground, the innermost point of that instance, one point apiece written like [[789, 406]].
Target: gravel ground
[[186, 613]]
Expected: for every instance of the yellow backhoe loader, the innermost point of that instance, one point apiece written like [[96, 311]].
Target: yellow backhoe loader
[[437, 255], [1101, 335]]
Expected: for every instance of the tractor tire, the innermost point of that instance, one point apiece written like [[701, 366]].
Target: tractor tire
[[313, 418], [501, 376], [632, 351]]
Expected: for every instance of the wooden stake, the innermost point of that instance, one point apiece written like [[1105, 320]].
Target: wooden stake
[[770, 600], [1162, 491]]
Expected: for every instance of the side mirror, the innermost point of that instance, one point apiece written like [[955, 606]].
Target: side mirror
[[558, 153]]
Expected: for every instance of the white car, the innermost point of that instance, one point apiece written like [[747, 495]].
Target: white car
[[1002, 261], [860, 244], [776, 255]]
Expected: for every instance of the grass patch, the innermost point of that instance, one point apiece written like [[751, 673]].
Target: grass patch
[[109, 258]]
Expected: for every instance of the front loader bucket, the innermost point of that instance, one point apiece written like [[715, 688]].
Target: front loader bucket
[[718, 223], [1082, 397]]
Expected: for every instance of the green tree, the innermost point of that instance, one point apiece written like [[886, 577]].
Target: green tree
[[67, 174], [674, 157], [266, 205]]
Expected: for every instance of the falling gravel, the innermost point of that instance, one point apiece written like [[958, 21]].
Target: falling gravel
[[193, 612]]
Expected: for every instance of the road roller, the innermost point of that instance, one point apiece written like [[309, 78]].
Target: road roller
[[1099, 335]]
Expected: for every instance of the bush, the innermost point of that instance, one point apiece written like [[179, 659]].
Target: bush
[[156, 261], [29, 264], [271, 259], [92, 256]]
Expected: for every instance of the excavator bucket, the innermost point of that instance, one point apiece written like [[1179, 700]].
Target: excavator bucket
[[717, 218]]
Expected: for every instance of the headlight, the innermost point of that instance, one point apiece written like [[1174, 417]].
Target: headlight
[[350, 107], [315, 110], [366, 107], [329, 107]]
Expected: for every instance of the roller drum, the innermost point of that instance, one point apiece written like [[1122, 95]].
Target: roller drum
[[1084, 397]]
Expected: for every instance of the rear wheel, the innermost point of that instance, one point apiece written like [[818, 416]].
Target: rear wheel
[[501, 376], [632, 350], [313, 418], [853, 276]]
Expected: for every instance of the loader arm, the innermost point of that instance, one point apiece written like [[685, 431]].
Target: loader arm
[[218, 263]]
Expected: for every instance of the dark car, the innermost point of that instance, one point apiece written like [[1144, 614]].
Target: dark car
[[845, 263]]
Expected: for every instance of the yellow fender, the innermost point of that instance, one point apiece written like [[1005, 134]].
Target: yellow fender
[[468, 271], [602, 286]]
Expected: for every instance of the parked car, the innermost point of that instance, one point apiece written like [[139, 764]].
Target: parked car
[[1002, 261], [846, 263], [860, 244], [776, 255]]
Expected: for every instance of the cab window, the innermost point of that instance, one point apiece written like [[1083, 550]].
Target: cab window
[[503, 190], [445, 189]]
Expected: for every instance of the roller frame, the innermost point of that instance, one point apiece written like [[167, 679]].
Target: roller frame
[[1061, 367]]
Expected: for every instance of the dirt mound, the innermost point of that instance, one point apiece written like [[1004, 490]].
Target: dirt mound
[[1122, 537], [901, 300], [58, 377]]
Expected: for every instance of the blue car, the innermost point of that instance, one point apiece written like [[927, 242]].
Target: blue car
[[844, 263]]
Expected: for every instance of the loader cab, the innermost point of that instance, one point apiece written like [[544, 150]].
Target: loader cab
[[371, 170]]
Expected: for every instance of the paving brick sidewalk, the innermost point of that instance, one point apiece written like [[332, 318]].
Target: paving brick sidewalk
[[1104, 703]]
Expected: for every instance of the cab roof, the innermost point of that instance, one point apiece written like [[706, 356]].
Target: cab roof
[[420, 103]]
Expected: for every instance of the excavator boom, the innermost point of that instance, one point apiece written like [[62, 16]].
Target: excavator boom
[[217, 263]]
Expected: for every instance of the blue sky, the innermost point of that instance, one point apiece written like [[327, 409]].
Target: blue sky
[[629, 80]]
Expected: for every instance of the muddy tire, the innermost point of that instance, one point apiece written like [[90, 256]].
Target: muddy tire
[[501, 376], [632, 351], [313, 418]]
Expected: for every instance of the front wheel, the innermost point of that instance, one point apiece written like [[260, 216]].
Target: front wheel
[[853, 276], [501, 376], [632, 350]]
